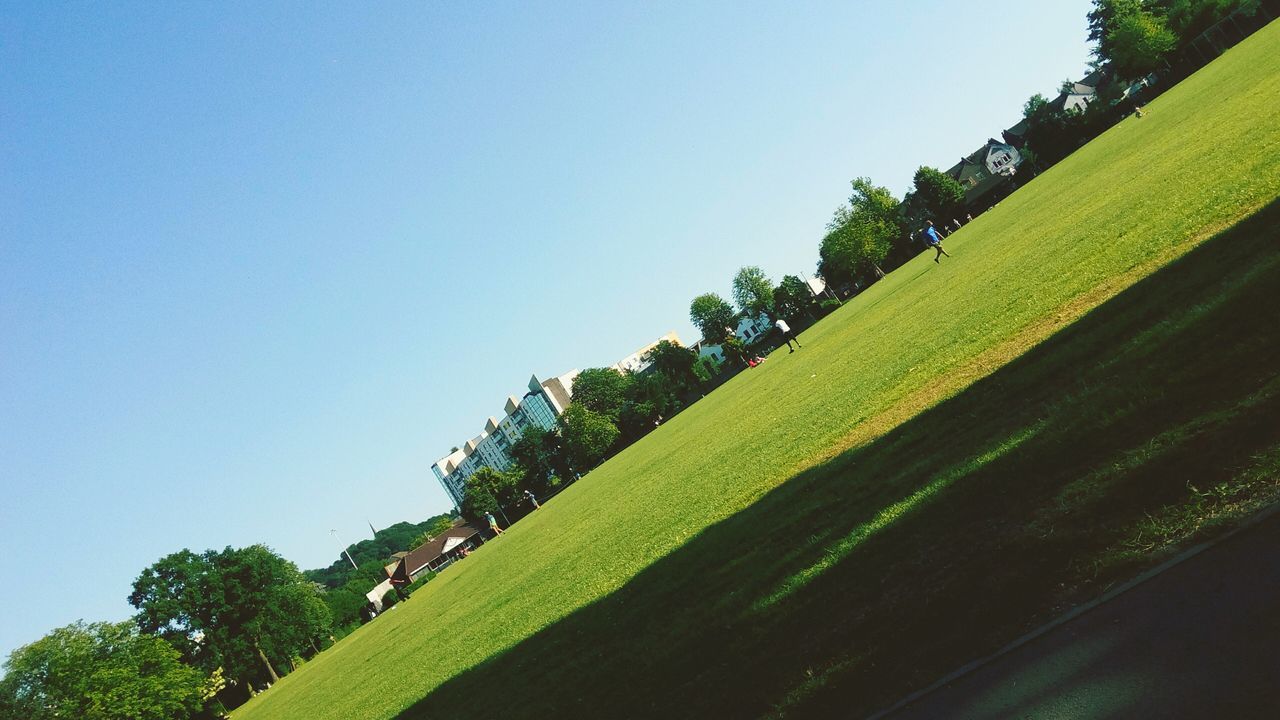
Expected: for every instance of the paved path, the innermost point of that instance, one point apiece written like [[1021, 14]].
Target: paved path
[[1200, 640]]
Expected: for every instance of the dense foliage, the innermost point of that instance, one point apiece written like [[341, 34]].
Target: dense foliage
[[753, 291], [601, 390], [489, 491], [861, 232], [247, 610], [100, 671], [713, 316], [587, 437]]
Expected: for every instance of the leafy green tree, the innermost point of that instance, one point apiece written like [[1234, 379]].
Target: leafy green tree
[[651, 397], [861, 233], [1133, 37], [675, 363], [1139, 43], [601, 390], [1103, 17], [706, 368], [713, 316], [587, 436], [1051, 134], [245, 610], [489, 490], [735, 349], [753, 291], [100, 671], [792, 298], [538, 458], [346, 602], [1189, 18], [940, 195]]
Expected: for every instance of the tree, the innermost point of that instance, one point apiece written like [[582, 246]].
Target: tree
[[489, 491], [706, 368], [587, 436], [736, 349], [792, 298], [246, 610], [1189, 18], [861, 233], [674, 362], [601, 390], [940, 194], [346, 603], [713, 316], [1051, 134], [1103, 17], [100, 671], [537, 457], [652, 396], [1138, 43], [753, 291]]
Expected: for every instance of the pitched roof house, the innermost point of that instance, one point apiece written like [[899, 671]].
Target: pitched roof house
[[984, 170], [435, 555]]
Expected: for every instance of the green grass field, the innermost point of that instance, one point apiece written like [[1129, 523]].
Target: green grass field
[[960, 453]]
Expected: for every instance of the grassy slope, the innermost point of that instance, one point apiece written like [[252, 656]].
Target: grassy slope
[[849, 521]]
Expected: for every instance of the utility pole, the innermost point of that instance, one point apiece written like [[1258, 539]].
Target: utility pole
[[344, 549], [500, 510]]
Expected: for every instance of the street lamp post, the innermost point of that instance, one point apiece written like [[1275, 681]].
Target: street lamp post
[[344, 549]]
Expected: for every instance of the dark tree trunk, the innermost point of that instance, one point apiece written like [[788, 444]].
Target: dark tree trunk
[[270, 670]]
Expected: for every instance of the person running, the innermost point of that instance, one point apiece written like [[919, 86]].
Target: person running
[[933, 240], [528, 495], [785, 330], [493, 523]]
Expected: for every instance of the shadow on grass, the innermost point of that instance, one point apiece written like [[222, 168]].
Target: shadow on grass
[[875, 573]]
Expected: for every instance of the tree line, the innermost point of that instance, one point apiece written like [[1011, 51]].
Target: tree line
[[609, 409], [1133, 39], [210, 629], [874, 231], [867, 236]]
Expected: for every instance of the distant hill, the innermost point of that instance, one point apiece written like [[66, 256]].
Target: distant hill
[[374, 552]]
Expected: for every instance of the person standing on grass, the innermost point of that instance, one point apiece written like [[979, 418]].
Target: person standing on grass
[[528, 495], [493, 523], [933, 240], [785, 330]]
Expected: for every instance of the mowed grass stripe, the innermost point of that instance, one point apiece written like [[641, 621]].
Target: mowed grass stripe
[[1147, 191]]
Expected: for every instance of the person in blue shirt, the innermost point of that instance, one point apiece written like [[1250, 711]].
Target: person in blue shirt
[[933, 240], [493, 524]]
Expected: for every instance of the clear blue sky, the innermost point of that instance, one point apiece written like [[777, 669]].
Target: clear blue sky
[[262, 264]]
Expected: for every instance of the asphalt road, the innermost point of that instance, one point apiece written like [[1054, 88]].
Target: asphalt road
[[1199, 640]]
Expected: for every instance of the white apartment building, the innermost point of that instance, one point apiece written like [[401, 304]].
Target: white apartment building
[[636, 362], [540, 406]]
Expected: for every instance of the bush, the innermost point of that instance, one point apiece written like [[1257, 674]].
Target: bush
[[830, 305]]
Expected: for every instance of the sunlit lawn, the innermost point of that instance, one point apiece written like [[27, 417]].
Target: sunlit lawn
[[955, 455]]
